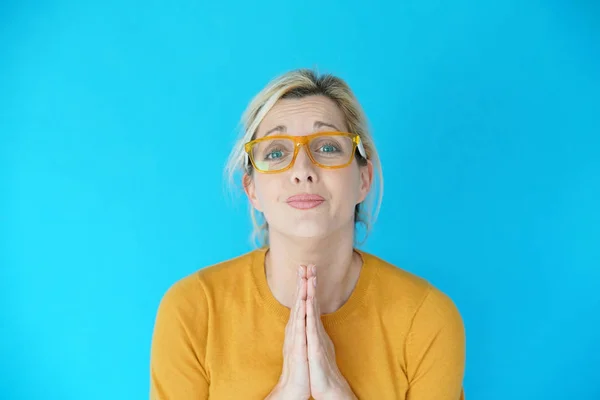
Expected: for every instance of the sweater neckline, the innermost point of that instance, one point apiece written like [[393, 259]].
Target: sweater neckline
[[356, 300]]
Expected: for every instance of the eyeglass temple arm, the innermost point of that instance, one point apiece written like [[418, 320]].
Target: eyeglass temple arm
[[361, 149]]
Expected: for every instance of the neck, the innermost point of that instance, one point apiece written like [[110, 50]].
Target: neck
[[338, 266]]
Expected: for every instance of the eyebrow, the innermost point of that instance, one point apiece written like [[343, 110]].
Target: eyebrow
[[316, 125]]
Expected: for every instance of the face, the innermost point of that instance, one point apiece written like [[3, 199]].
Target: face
[[341, 189]]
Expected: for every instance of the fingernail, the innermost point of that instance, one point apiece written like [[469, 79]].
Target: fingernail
[[314, 269], [315, 281], [300, 271]]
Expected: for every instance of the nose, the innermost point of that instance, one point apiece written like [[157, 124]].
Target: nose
[[303, 170]]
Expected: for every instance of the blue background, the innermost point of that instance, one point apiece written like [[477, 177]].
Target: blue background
[[116, 119]]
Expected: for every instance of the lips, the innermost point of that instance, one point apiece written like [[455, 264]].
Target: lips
[[305, 201]]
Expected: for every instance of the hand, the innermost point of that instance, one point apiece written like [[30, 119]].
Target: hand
[[326, 380], [294, 381]]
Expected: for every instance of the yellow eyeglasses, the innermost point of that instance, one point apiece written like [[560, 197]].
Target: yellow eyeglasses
[[328, 150]]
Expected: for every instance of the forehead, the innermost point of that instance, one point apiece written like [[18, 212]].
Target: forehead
[[299, 115]]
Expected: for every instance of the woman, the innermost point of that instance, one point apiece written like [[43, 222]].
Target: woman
[[307, 315]]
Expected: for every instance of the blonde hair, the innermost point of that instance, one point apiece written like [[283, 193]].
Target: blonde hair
[[298, 84]]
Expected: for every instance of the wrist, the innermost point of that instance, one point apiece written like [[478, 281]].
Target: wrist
[[276, 394], [340, 394], [280, 392]]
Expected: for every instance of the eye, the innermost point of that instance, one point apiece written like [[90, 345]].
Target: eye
[[274, 154], [328, 148]]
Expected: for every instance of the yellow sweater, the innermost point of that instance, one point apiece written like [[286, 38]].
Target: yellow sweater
[[219, 334]]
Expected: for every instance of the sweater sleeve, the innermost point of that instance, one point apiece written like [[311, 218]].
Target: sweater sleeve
[[436, 350], [177, 370]]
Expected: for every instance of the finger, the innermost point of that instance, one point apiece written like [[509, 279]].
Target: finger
[[316, 312], [299, 283], [311, 329], [310, 290], [312, 295], [312, 332], [301, 297], [323, 337], [295, 302], [295, 309], [317, 303], [300, 321], [303, 290], [310, 271], [315, 307], [317, 353]]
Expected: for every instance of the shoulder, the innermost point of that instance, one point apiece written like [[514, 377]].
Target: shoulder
[[401, 289], [395, 282], [194, 290]]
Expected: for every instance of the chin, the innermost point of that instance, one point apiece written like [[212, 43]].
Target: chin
[[308, 224], [309, 232], [306, 229]]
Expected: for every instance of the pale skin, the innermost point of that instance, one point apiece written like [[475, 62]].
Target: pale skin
[[305, 244]]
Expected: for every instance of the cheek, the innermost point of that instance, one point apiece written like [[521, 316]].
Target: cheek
[[344, 186], [267, 189]]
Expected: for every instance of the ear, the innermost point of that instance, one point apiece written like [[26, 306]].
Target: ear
[[250, 190], [366, 180]]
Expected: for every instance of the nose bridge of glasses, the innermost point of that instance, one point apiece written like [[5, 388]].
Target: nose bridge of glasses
[[301, 140]]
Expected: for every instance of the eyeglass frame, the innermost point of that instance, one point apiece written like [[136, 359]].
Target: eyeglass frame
[[300, 141]]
